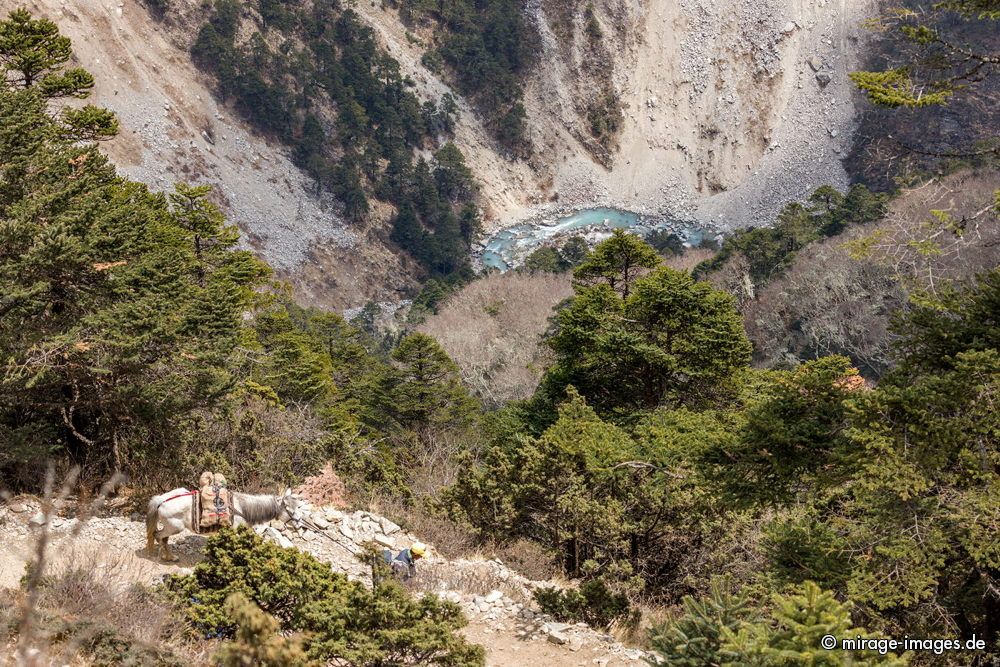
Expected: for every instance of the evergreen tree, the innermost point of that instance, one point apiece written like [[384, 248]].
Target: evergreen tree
[[672, 340], [696, 638], [340, 620], [427, 390], [618, 261]]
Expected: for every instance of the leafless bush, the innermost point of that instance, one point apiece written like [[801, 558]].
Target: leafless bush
[[73, 606], [839, 295], [944, 230], [493, 329], [528, 558]]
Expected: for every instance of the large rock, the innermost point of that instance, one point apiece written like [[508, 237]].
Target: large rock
[[493, 596], [816, 63], [559, 638], [823, 79], [38, 519], [385, 541], [320, 521], [276, 535], [388, 527]]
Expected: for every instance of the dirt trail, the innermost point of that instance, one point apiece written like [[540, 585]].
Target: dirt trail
[[511, 633]]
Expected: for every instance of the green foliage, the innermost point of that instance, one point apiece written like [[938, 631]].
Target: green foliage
[[363, 147], [426, 389], [799, 620], [724, 629], [574, 251], [940, 67], [339, 620], [770, 250], [605, 117], [489, 47], [895, 88], [258, 640], [546, 259], [665, 339], [666, 243], [936, 329], [593, 603], [696, 638], [793, 437], [33, 54], [617, 261], [118, 316]]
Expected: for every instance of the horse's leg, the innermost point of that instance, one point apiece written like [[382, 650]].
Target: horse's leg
[[170, 527]]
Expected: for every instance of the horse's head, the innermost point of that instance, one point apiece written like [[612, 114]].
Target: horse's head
[[289, 505]]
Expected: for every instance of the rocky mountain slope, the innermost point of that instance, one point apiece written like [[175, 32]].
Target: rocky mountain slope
[[729, 110], [496, 600]]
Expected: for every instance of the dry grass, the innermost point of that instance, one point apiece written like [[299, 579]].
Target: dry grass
[[79, 606], [493, 329]]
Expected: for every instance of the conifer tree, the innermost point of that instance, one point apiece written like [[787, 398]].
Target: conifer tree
[[618, 261]]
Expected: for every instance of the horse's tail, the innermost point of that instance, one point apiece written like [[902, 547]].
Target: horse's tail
[[152, 519]]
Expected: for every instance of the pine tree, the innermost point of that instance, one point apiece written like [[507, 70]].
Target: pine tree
[[696, 638], [617, 261], [427, 389]]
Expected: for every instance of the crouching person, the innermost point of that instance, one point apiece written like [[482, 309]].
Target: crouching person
[[404, 565]]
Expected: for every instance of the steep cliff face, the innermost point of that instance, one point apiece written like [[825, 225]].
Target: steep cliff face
[[173, 129], [720, 111], [730, 108]]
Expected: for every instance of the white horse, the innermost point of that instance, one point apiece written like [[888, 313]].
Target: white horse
[[173, 511]]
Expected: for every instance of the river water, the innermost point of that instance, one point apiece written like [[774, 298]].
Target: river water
[[510, 247]]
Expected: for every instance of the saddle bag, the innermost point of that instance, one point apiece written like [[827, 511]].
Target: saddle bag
[[216, 507]]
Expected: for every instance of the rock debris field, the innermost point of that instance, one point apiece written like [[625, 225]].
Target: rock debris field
[[497, 601]]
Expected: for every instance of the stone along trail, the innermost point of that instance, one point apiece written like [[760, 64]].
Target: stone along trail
[[497, 601]]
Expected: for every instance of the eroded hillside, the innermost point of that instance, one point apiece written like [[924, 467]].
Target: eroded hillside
[[173, 129], [727, 110], [717, 111]]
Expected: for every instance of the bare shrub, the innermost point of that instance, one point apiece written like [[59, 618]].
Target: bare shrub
[[690, 258], [324, 488], [529, 558], [493, 329], [944, 230], [840, 294], [826, 303]]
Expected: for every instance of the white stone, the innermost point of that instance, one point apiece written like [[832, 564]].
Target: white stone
[[493, 596], [388, 527], [320, 521], [385, 541]]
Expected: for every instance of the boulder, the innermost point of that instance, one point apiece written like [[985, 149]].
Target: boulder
[[320, 521], [385, 541], [823, 79], [557, 638], [789, 28], [816, 63], [276, 535], [346, 531], [493, 596], [388, 527], [38, 519]]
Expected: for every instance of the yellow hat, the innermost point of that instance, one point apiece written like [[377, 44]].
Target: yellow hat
[[418, 549]]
